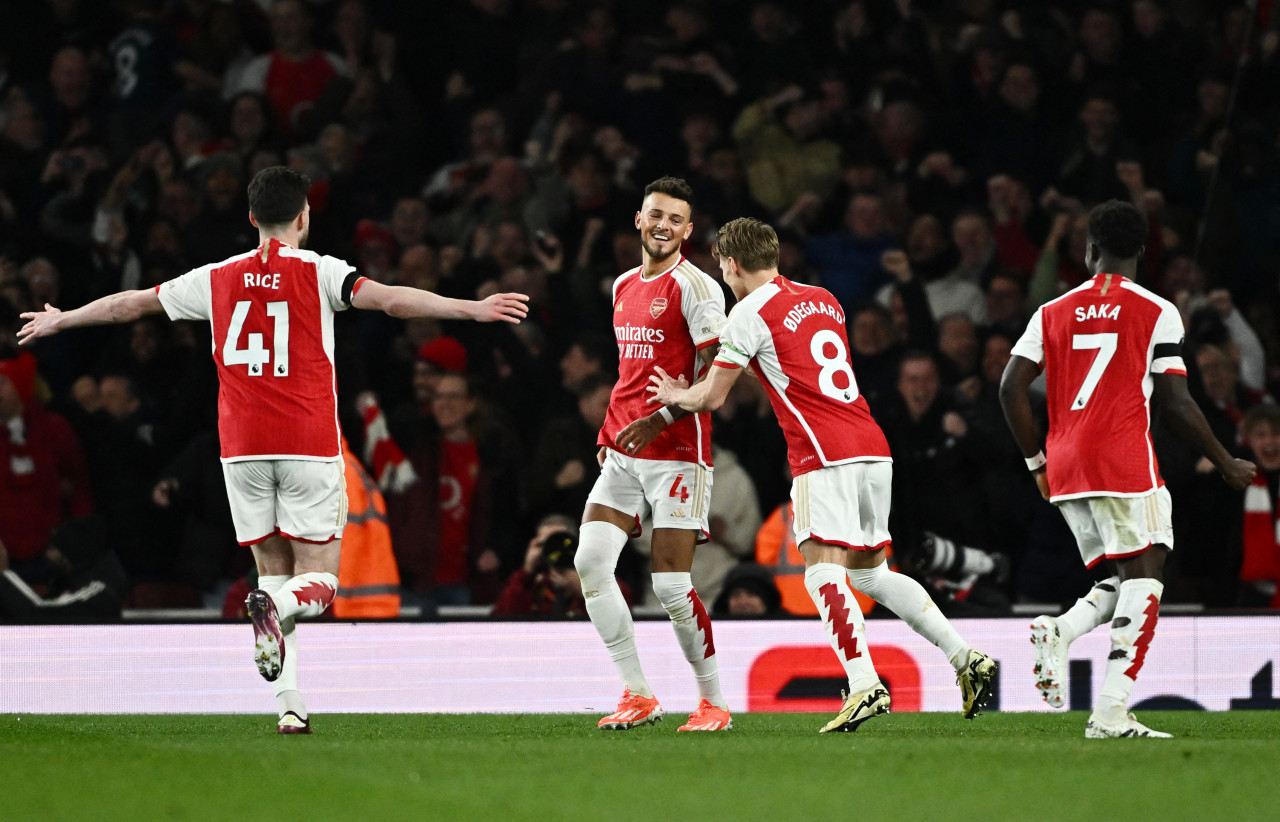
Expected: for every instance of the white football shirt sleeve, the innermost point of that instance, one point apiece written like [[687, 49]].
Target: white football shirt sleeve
[[332, 273], [1166, 342], [702, 303], [188, 297], [741, 338], [1031, 344]]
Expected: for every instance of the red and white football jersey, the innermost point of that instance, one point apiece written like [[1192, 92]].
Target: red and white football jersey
[[1098, 345], [794, 337], [663, 321], [272, 318]]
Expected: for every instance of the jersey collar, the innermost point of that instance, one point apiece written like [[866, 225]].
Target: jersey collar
[[663, 274]]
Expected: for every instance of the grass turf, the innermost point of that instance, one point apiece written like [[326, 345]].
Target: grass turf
[[557, 767]]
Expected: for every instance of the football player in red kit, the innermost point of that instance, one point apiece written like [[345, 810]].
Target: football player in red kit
[[665, 312], [271, 311], [1105, 347], [793, 337]]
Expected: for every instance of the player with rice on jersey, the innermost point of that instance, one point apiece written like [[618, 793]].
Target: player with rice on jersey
[[271, 311], [793, 337]]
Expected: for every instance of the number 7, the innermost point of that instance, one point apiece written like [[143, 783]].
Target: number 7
[[1106, 345]]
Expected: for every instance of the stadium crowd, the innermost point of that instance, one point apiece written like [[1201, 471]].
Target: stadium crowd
[[929, 163]]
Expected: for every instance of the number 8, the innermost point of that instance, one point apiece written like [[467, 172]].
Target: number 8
[[839, 364]]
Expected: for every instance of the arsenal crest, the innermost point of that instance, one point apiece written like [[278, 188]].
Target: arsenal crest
[[656, 307]]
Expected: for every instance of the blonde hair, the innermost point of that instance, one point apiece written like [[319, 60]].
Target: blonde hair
[[752, 243]]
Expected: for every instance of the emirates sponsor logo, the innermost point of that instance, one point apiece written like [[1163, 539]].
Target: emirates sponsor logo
[[656, 307]]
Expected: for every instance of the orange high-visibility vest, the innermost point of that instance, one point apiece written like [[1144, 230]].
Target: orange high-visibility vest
[[776, 550], [368, 579]]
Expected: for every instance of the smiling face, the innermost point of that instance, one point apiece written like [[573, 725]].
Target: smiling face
[[664, 223], [1263, 438]]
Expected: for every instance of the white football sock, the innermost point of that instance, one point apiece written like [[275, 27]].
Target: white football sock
[[909, 600], [305, 595], [599, 546], [693, 631], [286, 685], [1090, 610], [829, 588], [1137, 611]]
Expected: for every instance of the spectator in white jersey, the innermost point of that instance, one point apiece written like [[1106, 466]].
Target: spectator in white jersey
[[271, 310]]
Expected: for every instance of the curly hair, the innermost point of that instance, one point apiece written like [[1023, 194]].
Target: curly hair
[[1118, 228]]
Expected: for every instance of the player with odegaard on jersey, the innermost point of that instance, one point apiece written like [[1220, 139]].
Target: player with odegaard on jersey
[[793, 337]]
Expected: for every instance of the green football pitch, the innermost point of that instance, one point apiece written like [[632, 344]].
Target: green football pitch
[[1220, 766]]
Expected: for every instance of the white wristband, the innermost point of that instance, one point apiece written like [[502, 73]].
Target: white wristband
[[666, 414], [1036, 462]]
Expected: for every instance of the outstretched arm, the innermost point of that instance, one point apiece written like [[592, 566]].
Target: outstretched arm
[[707, 395], [122, 307], [1188, 422], [404, 302], [1018, 376]]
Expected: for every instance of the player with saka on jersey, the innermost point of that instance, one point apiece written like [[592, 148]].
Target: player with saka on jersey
[[666, 312], [793, 337], [271, 311], [1103, 347]]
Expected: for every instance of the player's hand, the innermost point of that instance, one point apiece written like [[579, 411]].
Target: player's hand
[[637, 435], [665, 389], [509, 307], [895, 261], [162, 494], [954, 424], [532, 556], [41, 324], [1042, 482], [571, 473], [601, 454], [1239, 473], [1220, 299]]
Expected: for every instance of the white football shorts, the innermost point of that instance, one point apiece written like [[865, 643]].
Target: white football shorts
[[1119, 527], [299, 499], [845, 505], [676, 493]]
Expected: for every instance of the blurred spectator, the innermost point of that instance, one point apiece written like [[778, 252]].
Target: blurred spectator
[[547, 583], [564, 466], [85, 582], [848, 261], [42, 469], [783, 149], [295, 73], [749, 591], [444, 477], [1260, 567]]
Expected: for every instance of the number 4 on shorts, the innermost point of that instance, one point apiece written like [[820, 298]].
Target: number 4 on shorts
[[678, 489]]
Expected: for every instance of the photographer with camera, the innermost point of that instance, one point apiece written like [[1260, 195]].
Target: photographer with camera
[[548, 583]]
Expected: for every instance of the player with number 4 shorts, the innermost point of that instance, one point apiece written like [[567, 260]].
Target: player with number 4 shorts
[[1105, 348], [656, 464], [793, 338], [271, 313]]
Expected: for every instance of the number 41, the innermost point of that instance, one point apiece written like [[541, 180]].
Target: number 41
[[254, 354]]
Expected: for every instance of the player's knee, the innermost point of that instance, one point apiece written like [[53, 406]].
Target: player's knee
[[593, 563], [672, 588]]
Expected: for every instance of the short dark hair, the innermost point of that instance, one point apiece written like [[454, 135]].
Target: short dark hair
[[1118, 228], [672, 187], [277, 195]]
